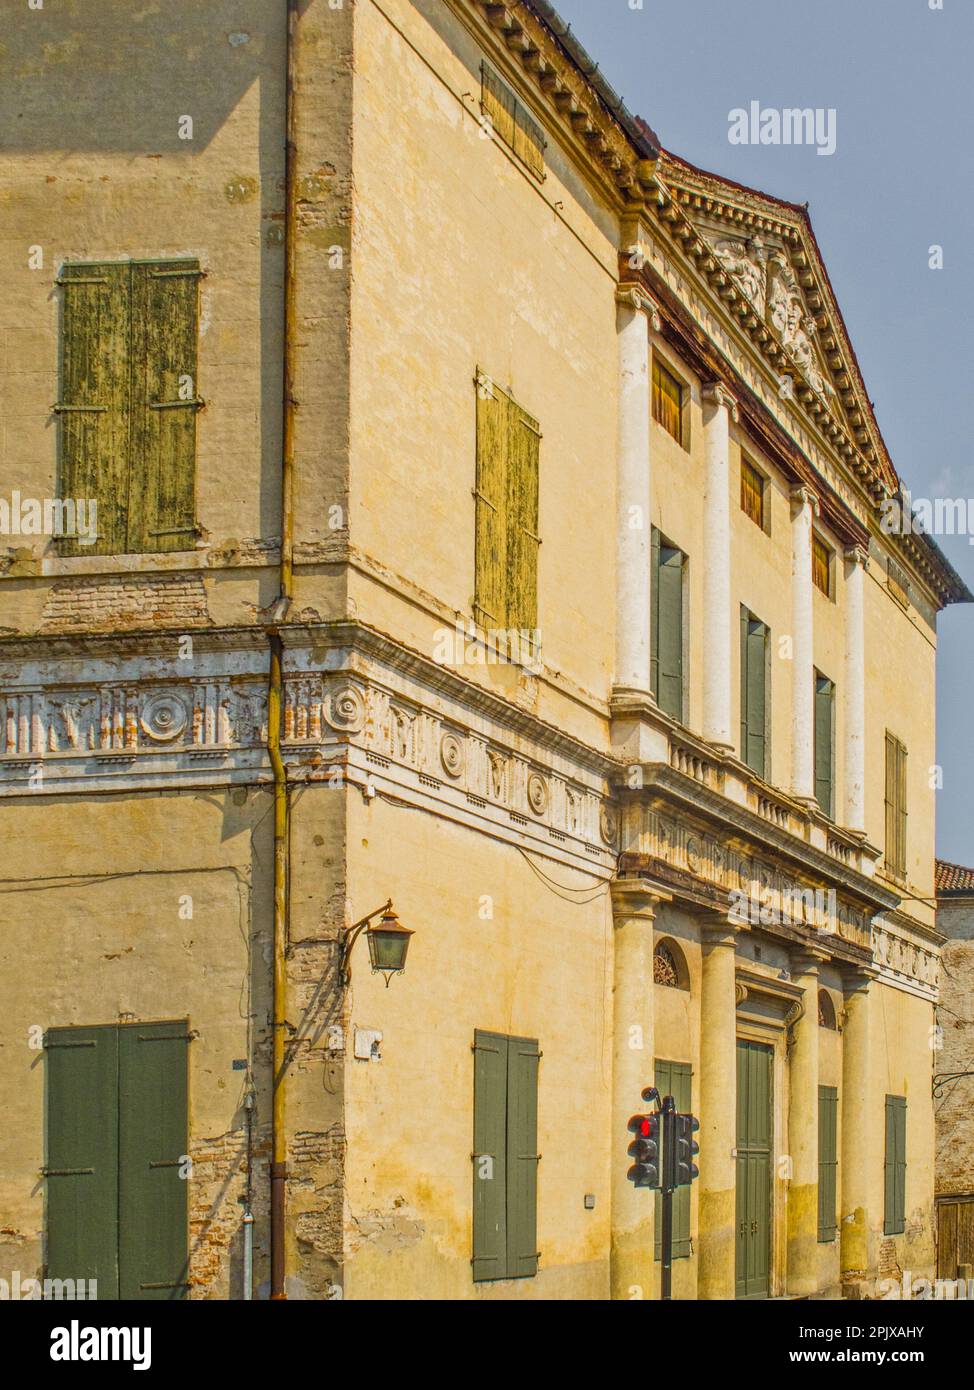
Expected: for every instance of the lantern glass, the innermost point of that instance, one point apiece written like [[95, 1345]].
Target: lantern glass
[[388, 944]]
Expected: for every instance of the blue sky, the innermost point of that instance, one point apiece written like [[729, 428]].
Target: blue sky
[[898, 74]]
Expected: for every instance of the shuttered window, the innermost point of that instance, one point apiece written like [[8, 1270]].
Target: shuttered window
[[505, 1157], [898, 583], [754, 679], [895, 806], [511, 121], [116, 1135], [507, 540], [671, 403], [666, 627], [675, 1079], [752, 492], [828, 1160], [894, 1222], [825, 744], [821, 566], [128, 402]]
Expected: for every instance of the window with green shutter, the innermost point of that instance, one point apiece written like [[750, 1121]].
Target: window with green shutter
[[895, 806], [505, 1158], [754, 693], [128, 402], [828, 1160], [116, 1141], [667, 625], [825, 744], [675, 1079], [894, 1222], [507, 540]]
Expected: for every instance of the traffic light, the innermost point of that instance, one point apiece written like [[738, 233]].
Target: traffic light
[[685, 1170], [645, 1150]]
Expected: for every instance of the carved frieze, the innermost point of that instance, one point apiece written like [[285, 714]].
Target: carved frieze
[[180, 718]]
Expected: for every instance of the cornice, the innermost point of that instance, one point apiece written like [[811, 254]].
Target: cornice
[[718, 812], [575, 98]]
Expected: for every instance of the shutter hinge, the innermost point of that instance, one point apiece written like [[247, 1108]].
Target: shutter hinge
[[60, 408], [196, 402], [477, 493], [66, 1172]]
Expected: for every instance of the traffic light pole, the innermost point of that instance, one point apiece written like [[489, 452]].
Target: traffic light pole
[[669, 1177]]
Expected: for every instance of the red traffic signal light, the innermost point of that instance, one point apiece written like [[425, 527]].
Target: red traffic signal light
[[645, 1150]]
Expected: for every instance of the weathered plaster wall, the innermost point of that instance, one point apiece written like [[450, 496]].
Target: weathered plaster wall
[[463, 260], [539, 967], [94, 898]]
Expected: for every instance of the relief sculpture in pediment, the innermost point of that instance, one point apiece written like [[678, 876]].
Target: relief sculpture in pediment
[[747, 262], [771, 287]]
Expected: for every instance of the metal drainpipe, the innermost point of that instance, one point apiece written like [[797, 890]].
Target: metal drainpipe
[[275, 694], [248, 1216]]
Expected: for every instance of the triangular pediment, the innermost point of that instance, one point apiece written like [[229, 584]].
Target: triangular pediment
[[764, 264]]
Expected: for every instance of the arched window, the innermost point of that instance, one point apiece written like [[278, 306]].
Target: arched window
[[670, 966], [826, 1011]]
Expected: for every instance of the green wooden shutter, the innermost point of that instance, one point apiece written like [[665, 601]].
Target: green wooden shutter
[[654, 549], [667, 614], [152, 1197], [522, 1157], [490, 1156], [94, 399], [824, 744], [754, 636], [675, 1079], [165, 399], [895, 1166], [828, 1109], [896, 812], [901, 808], [82, 1156], [899, 1174], [523, 453], [490, 556]]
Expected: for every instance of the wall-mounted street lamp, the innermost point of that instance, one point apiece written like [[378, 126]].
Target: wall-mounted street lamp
[[388, 943], [943, 1078]]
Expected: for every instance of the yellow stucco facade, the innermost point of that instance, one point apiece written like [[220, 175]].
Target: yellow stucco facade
[[543, 828]]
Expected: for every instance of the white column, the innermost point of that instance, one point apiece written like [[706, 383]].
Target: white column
[[802, 652], [855, 689], [633, 517], [634, 905], [718, 625]]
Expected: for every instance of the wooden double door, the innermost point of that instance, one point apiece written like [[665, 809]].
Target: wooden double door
[[754, 1161]]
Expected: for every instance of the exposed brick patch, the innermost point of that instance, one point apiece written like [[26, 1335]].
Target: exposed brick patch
[[216, 1212], [889, 1265], [124, 601]]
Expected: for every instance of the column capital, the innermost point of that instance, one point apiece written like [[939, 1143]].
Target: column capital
[[716, 393], [805, 960], [858, 555], [636, 897], [856, 981], [802, 495], [718, 929], [635, 298]]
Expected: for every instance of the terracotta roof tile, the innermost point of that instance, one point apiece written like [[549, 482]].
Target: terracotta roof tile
[[954, 878]]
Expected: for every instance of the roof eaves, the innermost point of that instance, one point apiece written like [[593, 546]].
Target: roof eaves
[[642, 137]]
